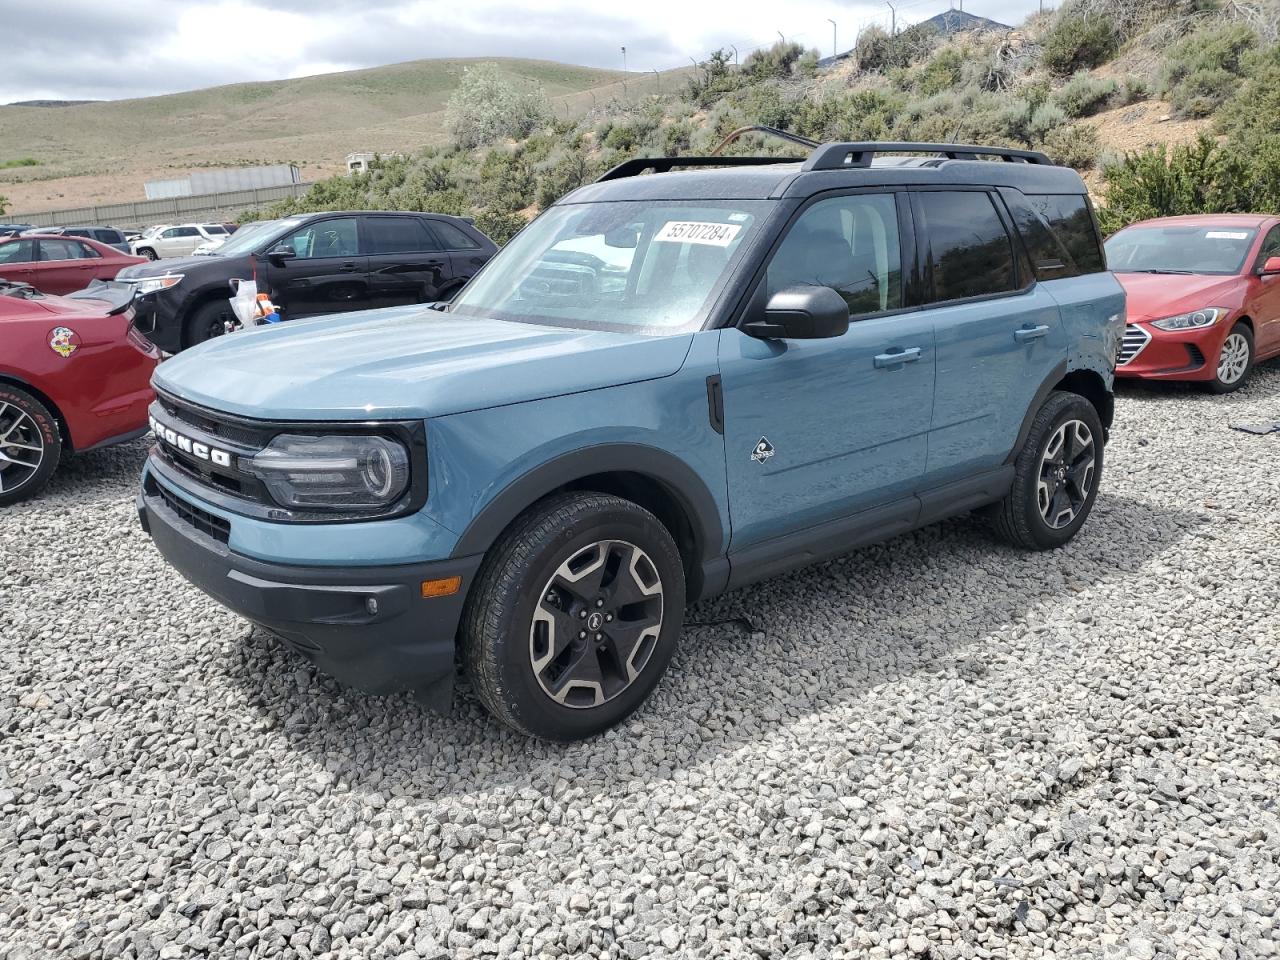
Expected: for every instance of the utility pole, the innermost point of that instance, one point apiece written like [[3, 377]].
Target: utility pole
[[735, 55], [893, 20], [782, 38], [624, 73], [658, 76], [835, 46]]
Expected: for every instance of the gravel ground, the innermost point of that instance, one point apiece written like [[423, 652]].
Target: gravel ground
[[937, 747]]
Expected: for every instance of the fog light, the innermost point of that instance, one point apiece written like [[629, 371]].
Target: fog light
[[371, 604], [446, 587]]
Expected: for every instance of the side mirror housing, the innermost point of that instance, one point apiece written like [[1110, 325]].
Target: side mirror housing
[[801, 313], [1271, 266], [279, 254]]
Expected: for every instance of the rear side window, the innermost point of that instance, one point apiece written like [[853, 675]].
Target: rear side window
[[1068, 216], [970, 250], [109, 236], [399, 235], [452, 237], [63, 250]]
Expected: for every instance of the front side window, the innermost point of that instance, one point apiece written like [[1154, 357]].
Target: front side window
[[325, 238], [19, 251], [398, 235], [1180, 248], [969, 249], [849, 244], [1270, 246], [649, 268]]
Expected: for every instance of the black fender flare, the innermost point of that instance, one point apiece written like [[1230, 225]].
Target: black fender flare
[[1037, 402], [675, 477]]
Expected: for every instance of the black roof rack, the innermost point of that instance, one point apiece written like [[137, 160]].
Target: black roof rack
[[835, 156], [633, 168], [825, 156]]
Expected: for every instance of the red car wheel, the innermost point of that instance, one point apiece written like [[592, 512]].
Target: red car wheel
[[30, 445]]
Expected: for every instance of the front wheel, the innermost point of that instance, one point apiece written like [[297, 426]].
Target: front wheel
[[1056, 475], [574, 616], [1235, 360], [30, 445], [206, 322], [148, 253]]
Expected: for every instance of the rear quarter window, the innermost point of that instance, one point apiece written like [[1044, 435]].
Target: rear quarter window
[[1069, 221]]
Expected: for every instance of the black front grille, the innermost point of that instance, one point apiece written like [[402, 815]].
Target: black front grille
[[205, 422], [202, 520]]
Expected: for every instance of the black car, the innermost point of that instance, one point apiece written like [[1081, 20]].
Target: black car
[[310, 264], [13, 229]]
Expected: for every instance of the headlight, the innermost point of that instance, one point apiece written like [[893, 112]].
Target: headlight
[[153, 284], [332, 473], [1190, 321]]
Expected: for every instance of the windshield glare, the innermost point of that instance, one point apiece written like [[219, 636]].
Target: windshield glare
[[248, 237], [1179, 248], [647, 268]]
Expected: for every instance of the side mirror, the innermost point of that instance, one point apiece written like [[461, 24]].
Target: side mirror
[[1271, 266], [279, 254], [801, 313]]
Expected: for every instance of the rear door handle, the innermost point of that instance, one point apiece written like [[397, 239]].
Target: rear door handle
[[896, 358], [348, 268], [1025, 334]]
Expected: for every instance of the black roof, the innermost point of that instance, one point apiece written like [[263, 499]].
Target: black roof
[[831, 166]]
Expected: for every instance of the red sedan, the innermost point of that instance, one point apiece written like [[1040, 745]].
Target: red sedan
[[60, 265], [74, 375], [1203, 297]]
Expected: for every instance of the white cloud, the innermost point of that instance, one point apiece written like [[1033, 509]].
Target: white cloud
[[85, 49]]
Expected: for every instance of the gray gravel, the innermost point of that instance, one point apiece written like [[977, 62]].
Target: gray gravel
[[938, 747]]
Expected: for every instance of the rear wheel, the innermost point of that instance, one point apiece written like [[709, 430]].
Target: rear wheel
[[148, 253], [206, 322], [30, 445], [574, 617], [1056, 475], [1235, 360]]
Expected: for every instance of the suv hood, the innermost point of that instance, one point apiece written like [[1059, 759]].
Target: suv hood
[[407, 363], [1150, 296]]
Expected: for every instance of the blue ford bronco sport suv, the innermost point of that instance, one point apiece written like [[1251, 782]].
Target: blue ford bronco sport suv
[[665, 387]]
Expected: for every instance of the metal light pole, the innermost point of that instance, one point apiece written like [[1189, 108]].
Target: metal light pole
[[658, 77], [624, 61], [735, 54], [835, 46], [893, 21], [782, 38]]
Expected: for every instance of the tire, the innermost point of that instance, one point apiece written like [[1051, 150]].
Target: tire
[[577, 561], [206, 322], [148, 253], [31, 446], [1056, 475], [1235, 361]]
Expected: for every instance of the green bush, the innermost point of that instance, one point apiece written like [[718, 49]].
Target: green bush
[[942, 72], [1131, 89], [1201, 70], [487, 106], [1084, 95], [1252, 114], [1193, 178], [1074, 144], [499, 225], [1075, 41]]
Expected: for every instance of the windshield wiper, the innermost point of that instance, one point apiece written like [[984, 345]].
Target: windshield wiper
[[1186, 272]]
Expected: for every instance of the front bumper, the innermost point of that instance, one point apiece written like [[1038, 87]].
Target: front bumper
[[368, 627], [1176, 354]]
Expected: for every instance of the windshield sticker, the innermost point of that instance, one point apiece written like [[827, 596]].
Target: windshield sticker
[[689, 231], [1227, 235]]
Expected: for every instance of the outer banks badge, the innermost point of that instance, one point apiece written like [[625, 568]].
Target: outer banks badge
[[64, 341], [763, 450]]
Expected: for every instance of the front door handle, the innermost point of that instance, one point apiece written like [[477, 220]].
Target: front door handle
[[1027, 334], [896, 358], [348, 268]]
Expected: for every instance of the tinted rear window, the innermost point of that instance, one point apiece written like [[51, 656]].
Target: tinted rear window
[[453, 238], [970, 250], [1069, 217], [399, 235]]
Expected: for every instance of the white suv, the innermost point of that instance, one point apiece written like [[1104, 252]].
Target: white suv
[[179, 241]]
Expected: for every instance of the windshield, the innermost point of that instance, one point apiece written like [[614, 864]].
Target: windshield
[[1179, 248], [249, 237], [647, 268]]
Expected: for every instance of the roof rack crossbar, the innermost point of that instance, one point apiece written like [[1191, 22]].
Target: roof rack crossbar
[[836, 156], [639, 165]]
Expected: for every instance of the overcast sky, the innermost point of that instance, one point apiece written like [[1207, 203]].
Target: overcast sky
[[111, 49]]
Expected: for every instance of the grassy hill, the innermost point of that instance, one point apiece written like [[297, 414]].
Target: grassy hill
[[103, 151]]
